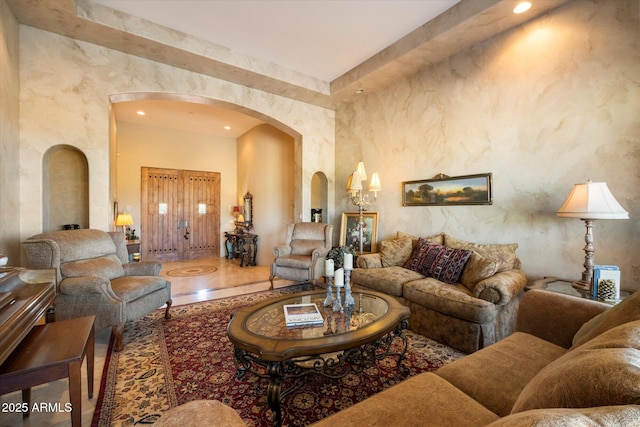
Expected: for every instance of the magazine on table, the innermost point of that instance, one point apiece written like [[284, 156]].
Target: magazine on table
[[302, 314]]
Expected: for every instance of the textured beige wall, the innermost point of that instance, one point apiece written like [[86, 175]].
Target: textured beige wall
[[149, 146], [266, 170], [546, 105], [9, 136], [64, 98]]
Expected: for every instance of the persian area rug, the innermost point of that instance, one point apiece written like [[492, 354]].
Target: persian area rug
[[166, 363]]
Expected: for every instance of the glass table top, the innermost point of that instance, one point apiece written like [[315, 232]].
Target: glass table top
[[269, 321]]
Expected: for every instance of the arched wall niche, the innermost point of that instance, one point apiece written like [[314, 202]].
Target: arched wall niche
[[320, 194], [65, 175]]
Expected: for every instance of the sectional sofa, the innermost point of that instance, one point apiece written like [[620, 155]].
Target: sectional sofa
[[571, 362], [460, 293]]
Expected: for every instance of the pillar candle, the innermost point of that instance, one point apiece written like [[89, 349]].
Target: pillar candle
[[339, 280], [348, 262], [328, 267]]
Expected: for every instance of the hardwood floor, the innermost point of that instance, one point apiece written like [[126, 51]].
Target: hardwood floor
[[228, 279]]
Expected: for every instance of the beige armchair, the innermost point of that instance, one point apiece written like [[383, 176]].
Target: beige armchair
[[95, 278], [302, 256]]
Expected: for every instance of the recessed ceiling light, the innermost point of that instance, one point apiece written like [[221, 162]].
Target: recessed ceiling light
[[140, 113], [359, 91], [522, 7], [227, 127]]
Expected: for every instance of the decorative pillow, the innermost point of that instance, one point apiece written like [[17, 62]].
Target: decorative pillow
[[438, 239], [504, 255], [395, 252], [478, 268], [604, 372], [108, 266], [625, 311], [437, 261]]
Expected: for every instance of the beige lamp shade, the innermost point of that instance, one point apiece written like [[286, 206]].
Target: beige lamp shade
[[592, 200], [356, 181], [374, 185], [124, 219], [361, 171]]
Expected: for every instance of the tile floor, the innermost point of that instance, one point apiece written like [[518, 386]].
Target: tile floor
[[228, 280]]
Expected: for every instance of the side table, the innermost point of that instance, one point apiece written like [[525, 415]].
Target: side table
[[563, 286], [243, 246], [48, 353]]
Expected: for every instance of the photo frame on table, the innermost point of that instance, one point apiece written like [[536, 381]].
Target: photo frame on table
[[350, 234], [447, 191]]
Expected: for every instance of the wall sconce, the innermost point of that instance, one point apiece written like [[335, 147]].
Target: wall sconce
[[589, 202]]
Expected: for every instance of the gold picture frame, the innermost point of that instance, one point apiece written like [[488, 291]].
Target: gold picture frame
[[350, 234], [447, 191]]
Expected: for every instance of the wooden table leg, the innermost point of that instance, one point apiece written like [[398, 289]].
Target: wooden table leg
[[75, 392], [90, 353]]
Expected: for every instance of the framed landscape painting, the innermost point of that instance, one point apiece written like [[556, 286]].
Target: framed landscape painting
[[350, 231], [459, 190]]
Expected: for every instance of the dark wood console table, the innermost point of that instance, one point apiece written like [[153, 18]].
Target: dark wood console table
[[30, 294], [243, 246]]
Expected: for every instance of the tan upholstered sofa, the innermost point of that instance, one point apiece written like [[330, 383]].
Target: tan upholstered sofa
[[96, 278], [571, 362], [476, 310]]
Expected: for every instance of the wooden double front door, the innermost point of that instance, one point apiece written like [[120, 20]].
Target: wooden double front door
[[180, 214]]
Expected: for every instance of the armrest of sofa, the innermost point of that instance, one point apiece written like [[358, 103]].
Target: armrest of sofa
[[501, 287], [143, 268], [281, 250], [555, 317], [83, 285], [369, 261]]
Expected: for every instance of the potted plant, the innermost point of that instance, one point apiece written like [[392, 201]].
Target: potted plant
[[337, 255]]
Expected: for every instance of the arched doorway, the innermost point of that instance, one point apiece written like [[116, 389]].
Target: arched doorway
[[256, 164], [65, 174]]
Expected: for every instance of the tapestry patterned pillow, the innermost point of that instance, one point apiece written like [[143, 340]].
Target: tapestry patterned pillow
[[437, 261]]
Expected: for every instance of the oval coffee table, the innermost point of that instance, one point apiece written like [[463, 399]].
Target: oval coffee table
[[348, 341]]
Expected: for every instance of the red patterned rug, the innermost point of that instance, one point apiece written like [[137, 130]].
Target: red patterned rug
[[168, 363]]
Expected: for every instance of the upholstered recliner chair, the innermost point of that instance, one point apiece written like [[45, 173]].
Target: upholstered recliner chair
[[95, 278], [302, 256]]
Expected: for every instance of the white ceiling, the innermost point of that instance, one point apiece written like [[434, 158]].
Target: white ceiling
[[323, 39]]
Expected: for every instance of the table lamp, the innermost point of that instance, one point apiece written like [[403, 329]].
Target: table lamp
[[589, 202]]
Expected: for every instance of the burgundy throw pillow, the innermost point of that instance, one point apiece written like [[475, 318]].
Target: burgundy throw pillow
[[437, 261]]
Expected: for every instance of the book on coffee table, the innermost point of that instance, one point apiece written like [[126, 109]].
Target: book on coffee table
[[302, 314]]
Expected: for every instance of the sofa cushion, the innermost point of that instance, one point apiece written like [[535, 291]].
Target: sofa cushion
[[437, 261], [628, 415], [437, 239], [453, 300], [604, 371], [395, 252], [504, 255], [108, 266], [477, 268], [423, 400], [293, 261], [627, 310], [130, 288], [495, 375], [389, 280]]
